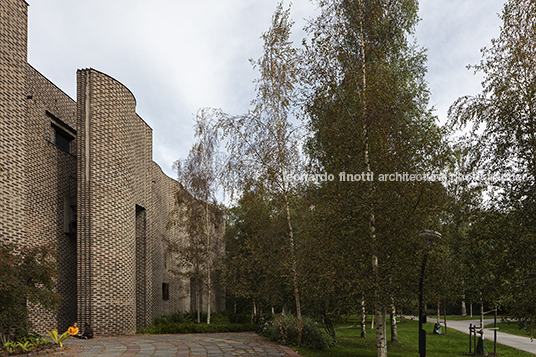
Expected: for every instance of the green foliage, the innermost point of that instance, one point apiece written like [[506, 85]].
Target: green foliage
[[25, 342], [26, 275], [9, 346], [256, 266], [191, 327], [501, 121], [264, 144], [239, 318], [176, 317], [57, 338], [367, 106], [287, 329], [184, 322], [25, 346]]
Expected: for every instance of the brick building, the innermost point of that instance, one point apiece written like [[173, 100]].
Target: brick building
[[81, 176]]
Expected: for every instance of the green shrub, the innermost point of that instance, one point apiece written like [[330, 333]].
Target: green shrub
[[239, 318], [287, 329], [191, 327], [26, 275], [219, 319], [176, 317]]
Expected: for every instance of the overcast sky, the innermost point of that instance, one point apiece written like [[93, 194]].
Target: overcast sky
[[177, 56]]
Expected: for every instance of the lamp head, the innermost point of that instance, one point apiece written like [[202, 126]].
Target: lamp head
[[429, 236]]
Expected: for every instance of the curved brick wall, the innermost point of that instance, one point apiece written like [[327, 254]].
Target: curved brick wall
[[112, 180]]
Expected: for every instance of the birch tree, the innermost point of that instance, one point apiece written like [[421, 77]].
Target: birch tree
[[264, 144], [502, 123], [368, 115], [199, 174]]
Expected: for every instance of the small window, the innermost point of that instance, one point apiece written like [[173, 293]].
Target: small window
[[165, 291], [63, 139]]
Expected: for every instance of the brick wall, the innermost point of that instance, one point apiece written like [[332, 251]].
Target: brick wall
[[13, 153], [99, 196], [51, 187]]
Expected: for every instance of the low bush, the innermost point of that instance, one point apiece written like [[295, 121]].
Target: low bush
[[176, 317], [26, 275], [287, 329], [191, 327], [239, 318]]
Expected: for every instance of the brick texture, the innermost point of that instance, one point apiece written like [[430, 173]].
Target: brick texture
[[99, 198]]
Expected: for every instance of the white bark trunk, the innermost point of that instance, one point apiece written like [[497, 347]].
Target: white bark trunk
[[392, 315], [482, 317], [198, 302], [209, 265], [363, 320], [294, 268], [438, 310], [381, 339]]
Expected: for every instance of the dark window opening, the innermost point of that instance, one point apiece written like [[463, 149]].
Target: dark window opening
[[165, 291], [63, 140]]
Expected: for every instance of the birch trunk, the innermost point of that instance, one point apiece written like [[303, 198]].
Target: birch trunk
[[482, 317], [209, 256], [293, 269], [363, 320], [392, 315], [198, 302], [445, 316], [438, 310], [381, 339]]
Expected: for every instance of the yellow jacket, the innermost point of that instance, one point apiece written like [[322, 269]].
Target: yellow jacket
[[73, 330]]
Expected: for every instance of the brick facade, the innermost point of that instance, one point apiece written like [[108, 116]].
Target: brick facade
[[81, 176]]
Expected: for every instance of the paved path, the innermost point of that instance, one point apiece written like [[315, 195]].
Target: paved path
[[518, 342], [244, 344]]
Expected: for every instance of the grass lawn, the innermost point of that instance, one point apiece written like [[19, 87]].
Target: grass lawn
[[460, 317], [510, 327], [455, 343]]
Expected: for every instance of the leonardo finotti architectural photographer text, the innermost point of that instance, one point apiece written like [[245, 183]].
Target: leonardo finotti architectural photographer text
[[407, 177]]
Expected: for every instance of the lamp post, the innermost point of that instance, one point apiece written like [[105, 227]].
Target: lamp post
[[429, 236]]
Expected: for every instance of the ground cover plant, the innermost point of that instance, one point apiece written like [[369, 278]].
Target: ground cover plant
[[25, 343]]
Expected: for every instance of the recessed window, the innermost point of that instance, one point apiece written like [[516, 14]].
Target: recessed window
[[62, 140], [165, 291], [63, 133]]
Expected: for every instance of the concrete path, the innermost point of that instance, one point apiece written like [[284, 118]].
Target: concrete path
[[518, 342], [242, 344]]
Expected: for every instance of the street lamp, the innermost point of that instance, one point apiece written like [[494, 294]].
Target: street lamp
[[429, 237]]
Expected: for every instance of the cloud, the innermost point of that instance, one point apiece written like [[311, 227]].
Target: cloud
[[178, 56]]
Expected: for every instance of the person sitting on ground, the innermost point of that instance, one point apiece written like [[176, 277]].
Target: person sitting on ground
[[88, 332], [73, 330]]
